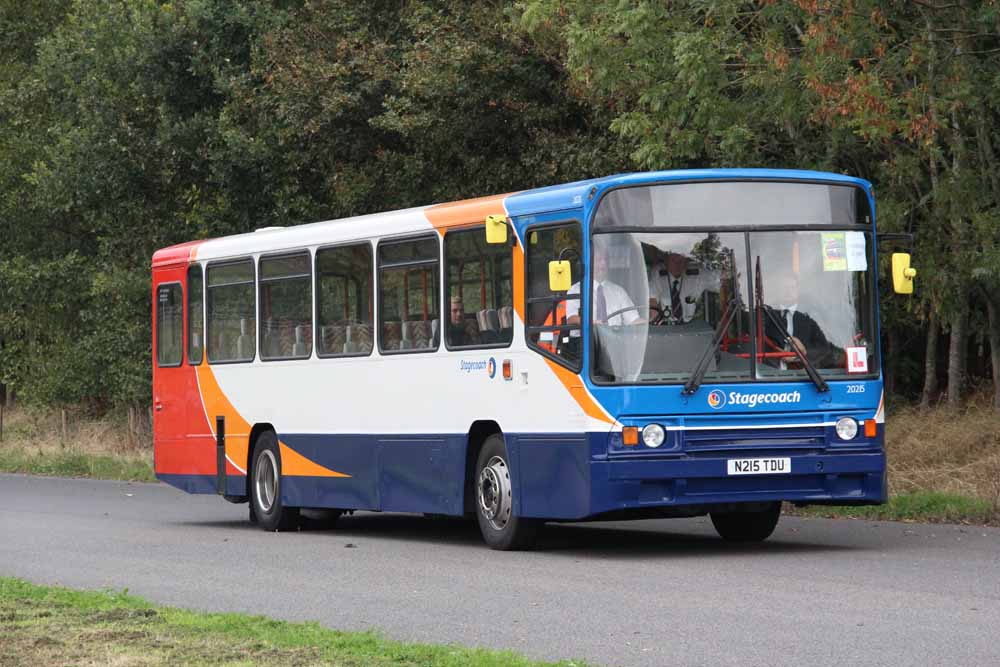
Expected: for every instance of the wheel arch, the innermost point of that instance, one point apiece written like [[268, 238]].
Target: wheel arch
[[251, 441], [478, 432]]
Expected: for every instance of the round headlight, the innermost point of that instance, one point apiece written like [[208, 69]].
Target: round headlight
[[847, 428], [653, 435]]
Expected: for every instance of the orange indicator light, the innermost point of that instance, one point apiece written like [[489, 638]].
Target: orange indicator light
[[630, 436], [871, 428], [508, 369]]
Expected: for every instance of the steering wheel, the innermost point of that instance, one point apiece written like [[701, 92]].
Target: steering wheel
[[620, 311], [661, 315]]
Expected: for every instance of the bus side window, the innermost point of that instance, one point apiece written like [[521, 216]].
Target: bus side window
[[195, 314], [169, 325], [479, 286], [231, 312], [553, 325], [408, 305], [286, 307], [344, 298]]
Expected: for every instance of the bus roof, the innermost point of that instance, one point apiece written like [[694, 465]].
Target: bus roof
[[567, 196]]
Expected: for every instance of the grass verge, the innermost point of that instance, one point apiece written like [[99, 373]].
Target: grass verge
[[43, 625], [71, 463], [73, 444], [924, 506]]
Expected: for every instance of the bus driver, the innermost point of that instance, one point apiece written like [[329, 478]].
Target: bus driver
[[674, 289], [609, 298]]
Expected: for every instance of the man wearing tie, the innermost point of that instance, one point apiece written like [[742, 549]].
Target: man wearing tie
[[609, 298], [675, 290], [781, 290]]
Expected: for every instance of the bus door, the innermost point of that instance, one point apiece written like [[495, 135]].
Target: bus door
[[171, 375]]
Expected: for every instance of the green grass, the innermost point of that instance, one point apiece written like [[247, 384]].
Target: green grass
[[927, 506], [71, 463], [46, 625]]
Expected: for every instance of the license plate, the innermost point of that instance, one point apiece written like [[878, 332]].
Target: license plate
[[777, 466]]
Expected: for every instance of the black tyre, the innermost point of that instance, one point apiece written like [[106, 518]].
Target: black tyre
[[265, 487], [501, 528], [753, 526]]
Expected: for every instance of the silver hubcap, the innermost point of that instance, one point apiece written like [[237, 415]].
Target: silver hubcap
[[494, 493], [266, 480]]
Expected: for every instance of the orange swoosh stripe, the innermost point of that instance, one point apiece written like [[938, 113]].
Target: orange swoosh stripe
[[579, 393], [238, 431], [294, 464], [470, 211]]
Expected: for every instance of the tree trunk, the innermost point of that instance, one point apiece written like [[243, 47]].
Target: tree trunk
[[930, 361], [890, 364], [993, 310], [956, 354]]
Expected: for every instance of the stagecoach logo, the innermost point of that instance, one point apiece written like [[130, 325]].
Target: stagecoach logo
[[716, 399], [478, 365]]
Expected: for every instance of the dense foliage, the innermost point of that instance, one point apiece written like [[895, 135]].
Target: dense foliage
[[128, 125]]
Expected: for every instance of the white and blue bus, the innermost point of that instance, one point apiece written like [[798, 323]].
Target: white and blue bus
[[667, 344]]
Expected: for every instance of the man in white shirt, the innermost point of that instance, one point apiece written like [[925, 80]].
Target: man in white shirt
[[675, 290], [609, 298]]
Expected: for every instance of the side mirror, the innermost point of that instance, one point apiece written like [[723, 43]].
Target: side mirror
[[559, 276], [496, 229], [902, 274]]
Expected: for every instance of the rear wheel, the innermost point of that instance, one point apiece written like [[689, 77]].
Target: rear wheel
[[501, 529], [265, 486], [753, 526]]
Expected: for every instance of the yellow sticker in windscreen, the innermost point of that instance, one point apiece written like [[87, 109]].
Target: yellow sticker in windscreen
[[834, 248]]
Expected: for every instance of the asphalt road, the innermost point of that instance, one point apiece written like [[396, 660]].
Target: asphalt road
[[640, 593]]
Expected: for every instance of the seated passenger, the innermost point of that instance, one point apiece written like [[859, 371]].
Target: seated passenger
[[782, 293], [457, 336], [675, 287]]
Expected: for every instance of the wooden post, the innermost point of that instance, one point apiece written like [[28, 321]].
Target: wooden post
[[64, 438]]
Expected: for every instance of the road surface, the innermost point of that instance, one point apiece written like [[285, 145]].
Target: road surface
[[640, 593]]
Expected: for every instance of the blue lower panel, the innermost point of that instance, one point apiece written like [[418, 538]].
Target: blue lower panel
[[401, 473], [555, 476], [190, 483], [832, 478]]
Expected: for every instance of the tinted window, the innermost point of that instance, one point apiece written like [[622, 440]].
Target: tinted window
[[553, 317], [196, 315], [408, 296], [285, 307], [344, 300], [733, 203], [480, 290], [169, 325], [231, 317]]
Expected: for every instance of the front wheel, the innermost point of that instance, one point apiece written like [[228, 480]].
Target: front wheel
[[265, 487], [753, 526], [501, 529]]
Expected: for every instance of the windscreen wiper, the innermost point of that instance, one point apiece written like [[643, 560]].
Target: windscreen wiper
[[720, 331], [787, 339]]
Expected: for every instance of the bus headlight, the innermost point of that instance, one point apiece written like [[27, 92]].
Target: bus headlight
[[653, 435], [847, 428]]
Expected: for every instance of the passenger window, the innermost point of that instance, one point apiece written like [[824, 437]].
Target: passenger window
[[231, 317], [408, 295], [344, 301], [553, 325], [480, 290], [285, 307], [169, 325], [195, 315]]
